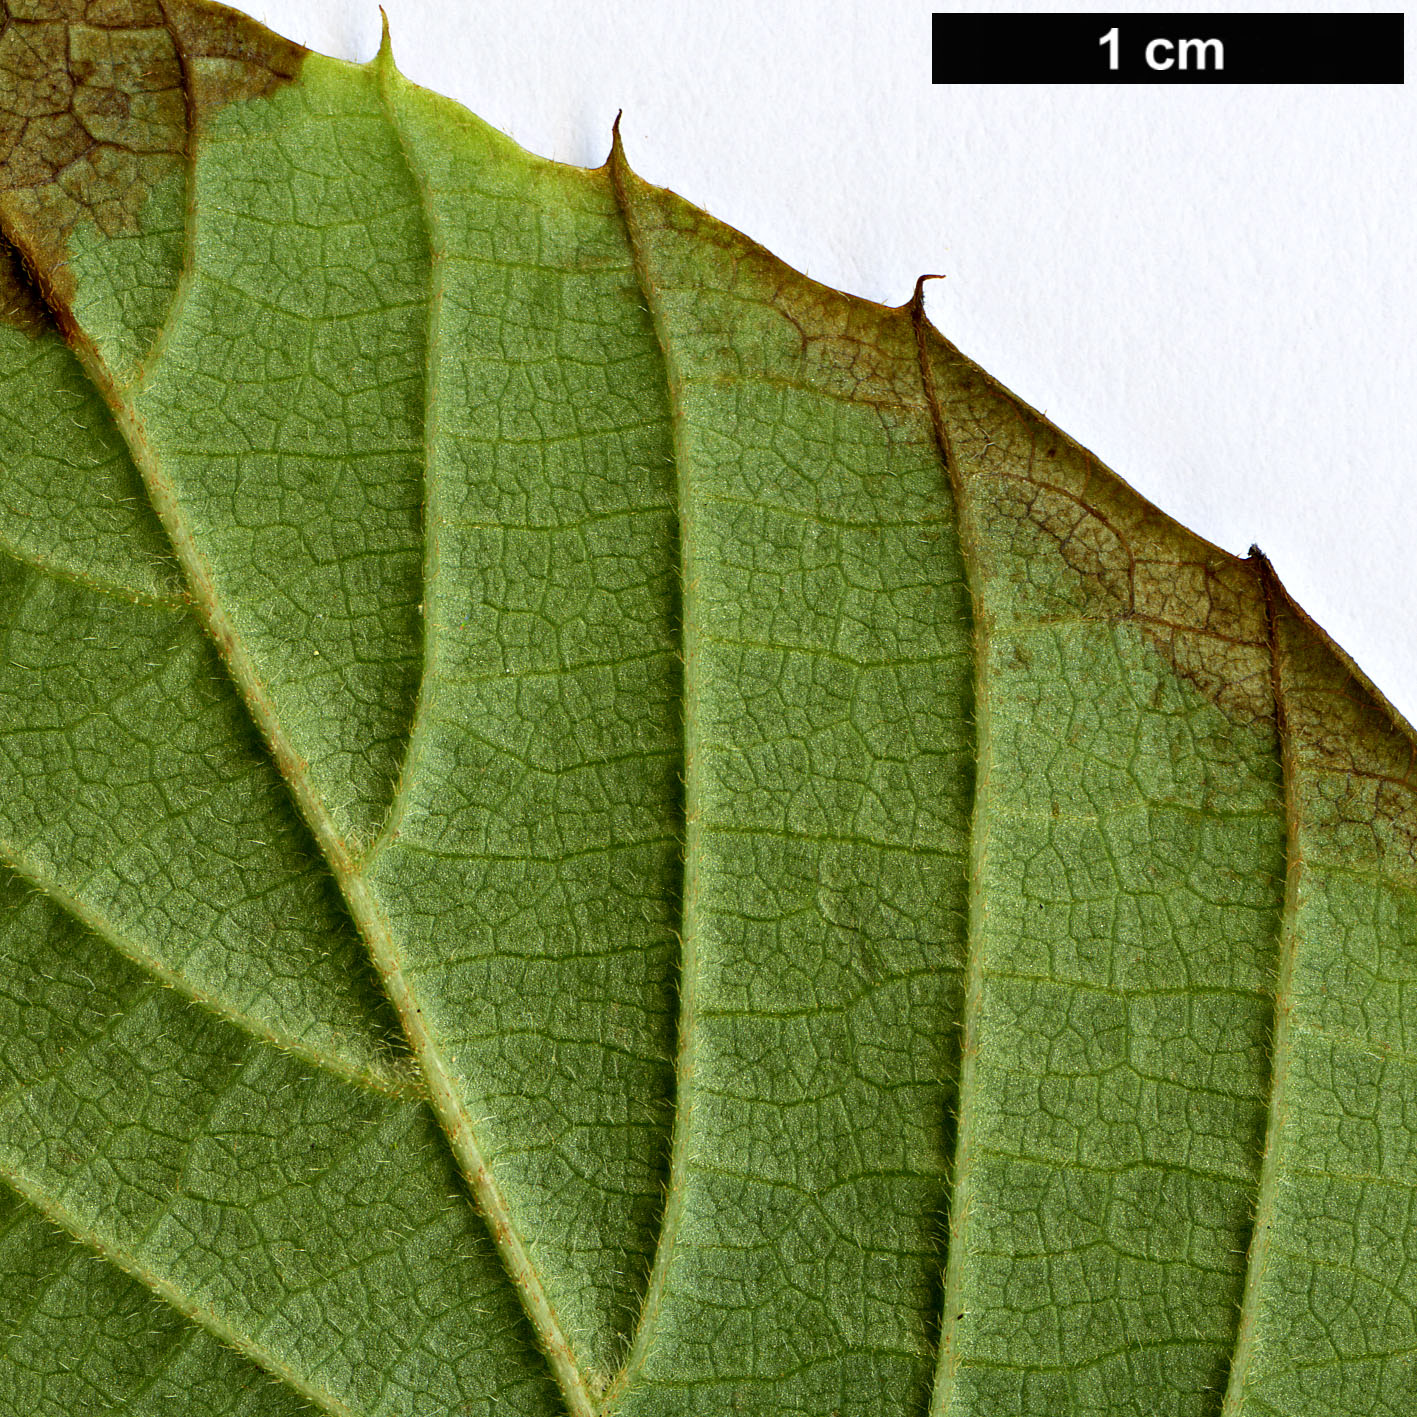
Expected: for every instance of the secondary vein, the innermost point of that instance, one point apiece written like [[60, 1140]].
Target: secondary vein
[[1266, 1198], [960, 1177], [642, 1339], [391, 1083], [109, 588], [418, 730], [448, 1107], [205, 1318]]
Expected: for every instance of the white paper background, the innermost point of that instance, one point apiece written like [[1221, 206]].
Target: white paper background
[[1211, 287]]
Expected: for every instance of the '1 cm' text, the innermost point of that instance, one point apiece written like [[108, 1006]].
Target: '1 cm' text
[[1168, 53]]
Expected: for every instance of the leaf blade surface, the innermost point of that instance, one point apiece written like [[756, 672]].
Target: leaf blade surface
[[827, 682], [1128, 883], [822, 838]]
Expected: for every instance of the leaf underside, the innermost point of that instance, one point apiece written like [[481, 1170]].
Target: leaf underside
[[588, 825]]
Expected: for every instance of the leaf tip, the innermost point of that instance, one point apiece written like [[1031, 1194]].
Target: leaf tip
[[1275, 594], [385, 57], [621, 172], [916, 303]]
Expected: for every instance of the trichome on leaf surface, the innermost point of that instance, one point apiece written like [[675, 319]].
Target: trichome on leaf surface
[[590, 826]]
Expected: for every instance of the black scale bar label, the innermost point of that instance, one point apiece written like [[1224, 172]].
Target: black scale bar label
[[1168, 49]]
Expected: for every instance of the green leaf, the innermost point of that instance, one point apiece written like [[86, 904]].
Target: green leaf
[[590, 826]]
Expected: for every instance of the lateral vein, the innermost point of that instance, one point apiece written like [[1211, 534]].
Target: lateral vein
[[965, 1143], [97, 585], [642, 1339], [1266, 1197], [359, 900], [448, 1105], [57, 1214], [402, 1086]]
